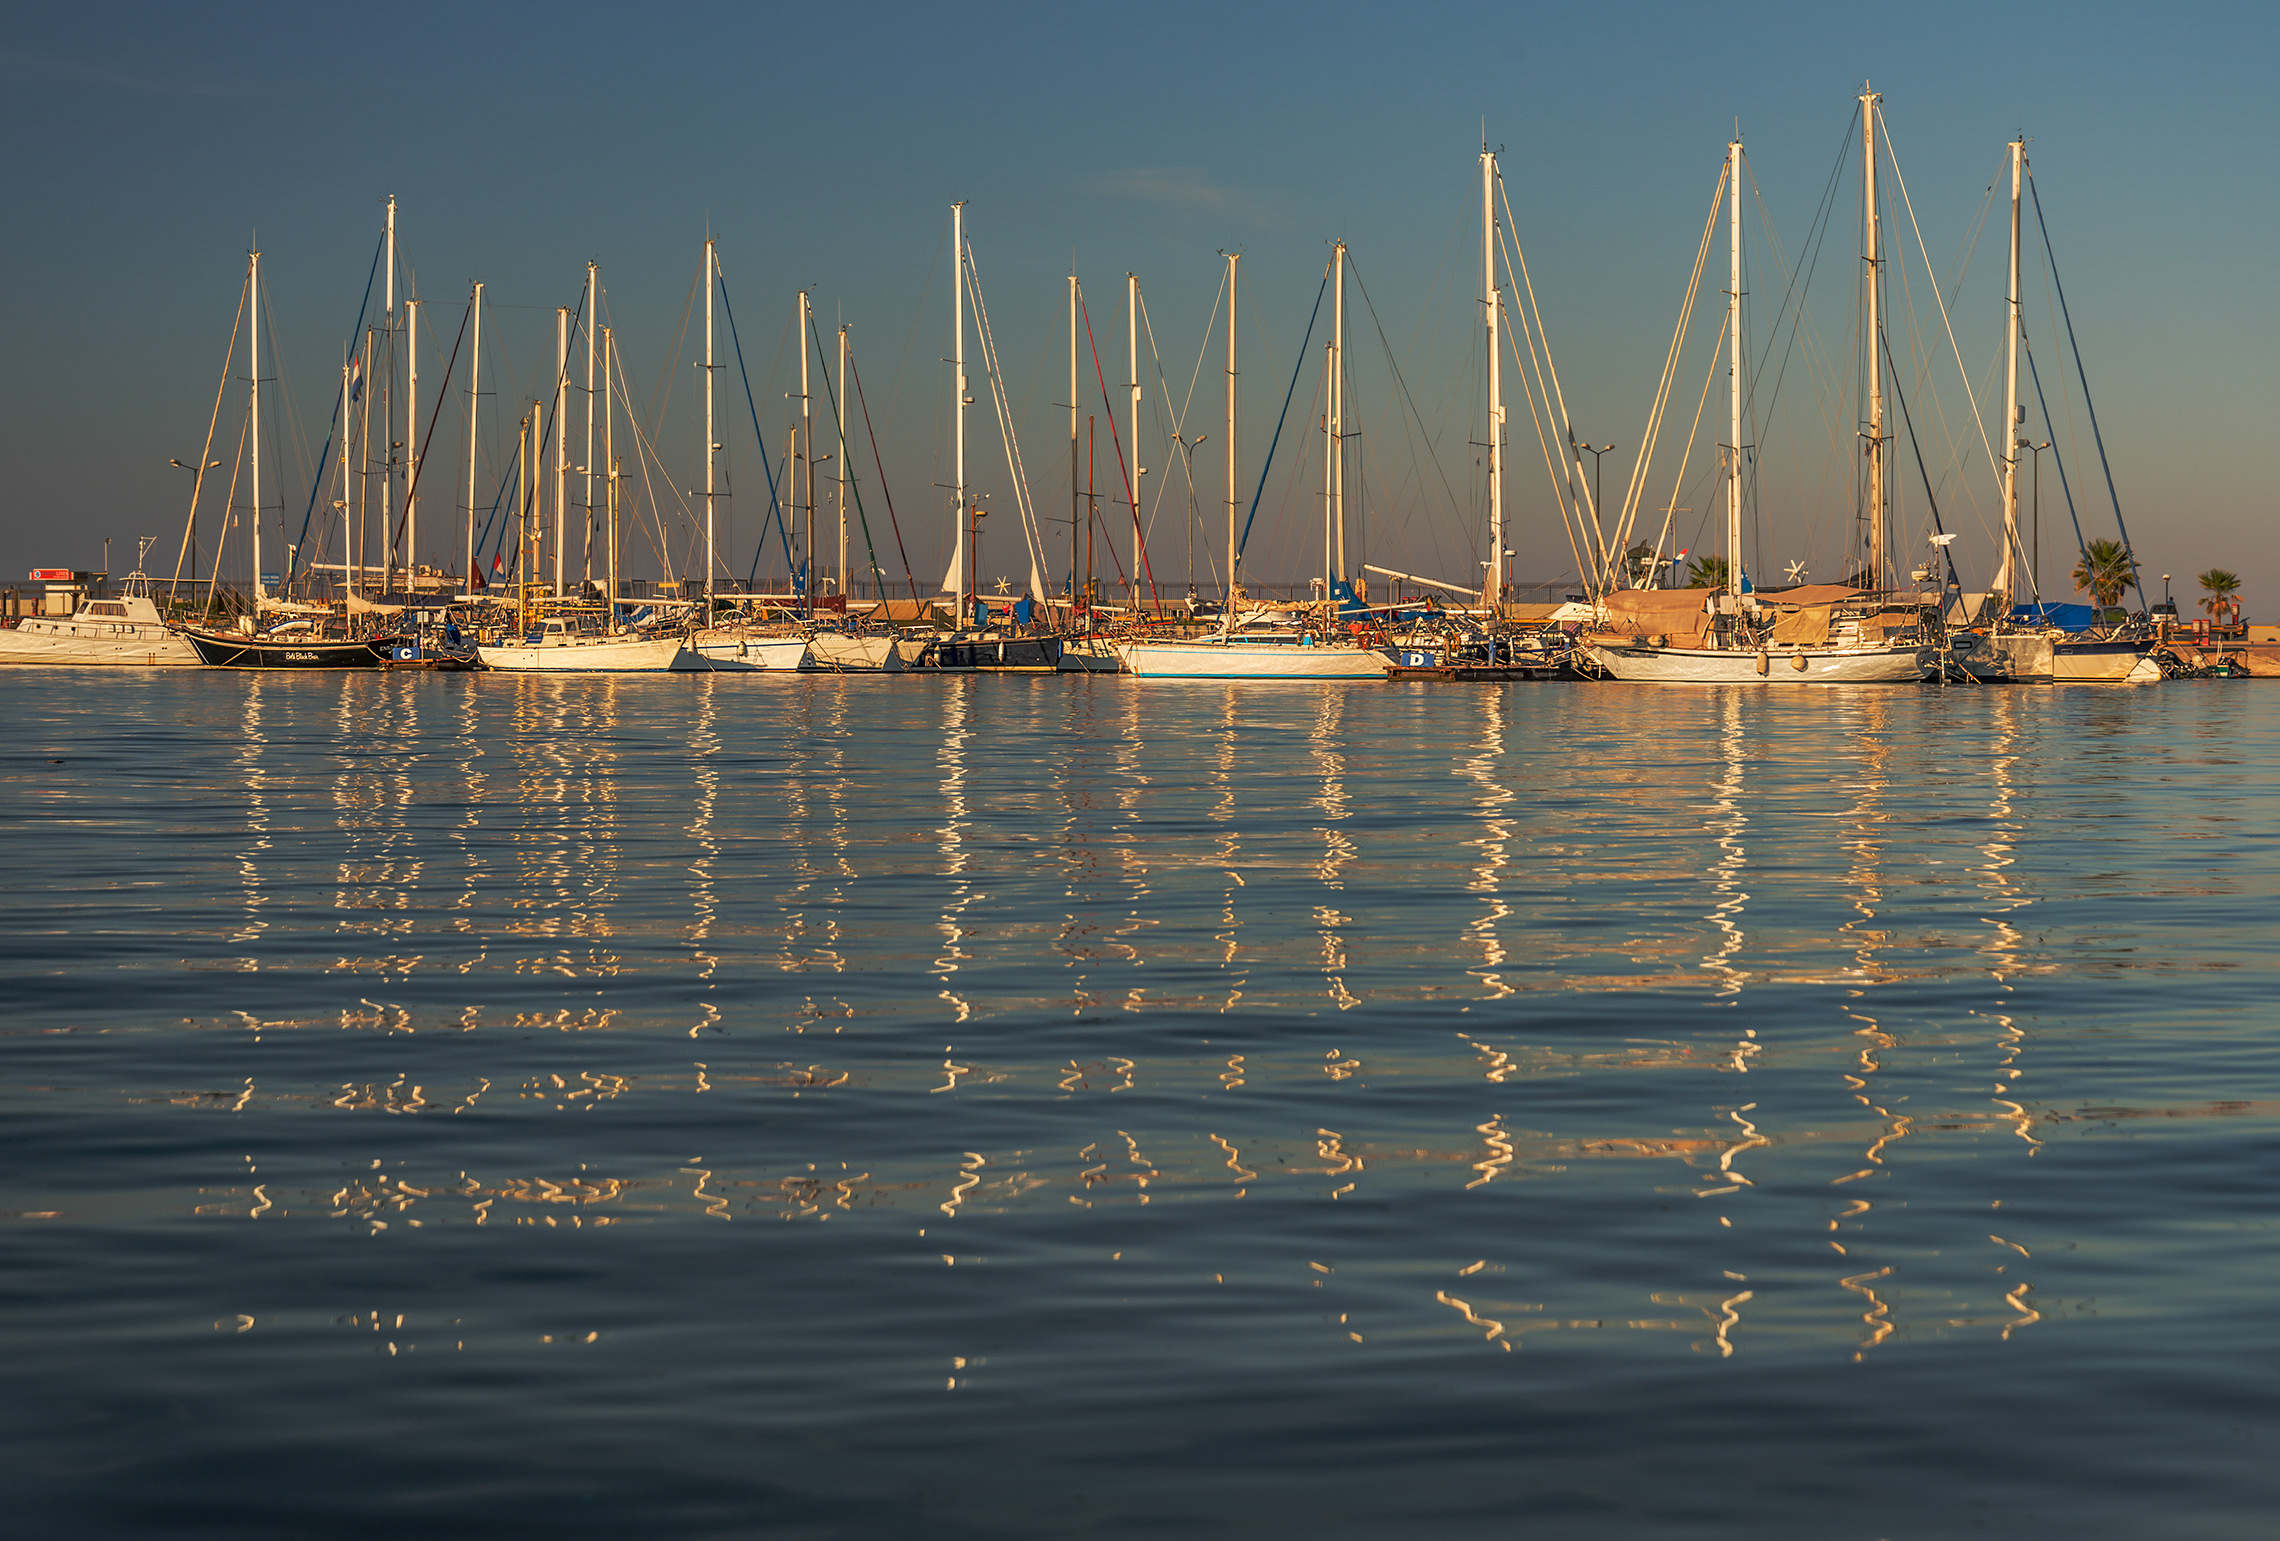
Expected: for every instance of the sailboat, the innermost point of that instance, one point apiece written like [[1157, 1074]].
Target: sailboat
[[2022, 644], [570, 640], [740, 645], [301, 642], [123, 628], [1259, 643], [1827, 634], [983, 639]]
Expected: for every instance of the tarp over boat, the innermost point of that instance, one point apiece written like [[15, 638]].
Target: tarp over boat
[[1680, 613], [2064, 617]]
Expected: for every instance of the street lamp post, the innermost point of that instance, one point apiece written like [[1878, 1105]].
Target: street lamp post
[[2035, 566], [1598, 484]]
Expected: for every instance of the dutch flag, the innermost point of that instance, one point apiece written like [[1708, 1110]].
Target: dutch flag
[[355, 378]]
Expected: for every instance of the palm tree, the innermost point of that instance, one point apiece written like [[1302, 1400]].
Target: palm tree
[[2105, 571], [2222, 588], [1706, 572]]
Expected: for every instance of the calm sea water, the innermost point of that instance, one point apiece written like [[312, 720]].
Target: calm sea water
[[820, 1106]]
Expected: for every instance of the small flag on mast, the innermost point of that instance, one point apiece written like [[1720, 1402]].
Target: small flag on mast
[[355, 378]]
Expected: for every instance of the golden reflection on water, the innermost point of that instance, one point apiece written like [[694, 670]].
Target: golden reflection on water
[[704, 897], [1483, 934], [950, 842], [1278, 789], [251, 773]]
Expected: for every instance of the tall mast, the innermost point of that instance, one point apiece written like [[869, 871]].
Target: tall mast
[[1338, 419], [1492, 307], [411, 434], [807, 438], [586, 541], [958, 537], [1329, 471], [347, 529], [844, 471], [1227, 603], [1734, 367], [609, 458], [364, 476], [561, 442], [1132, 438], [1075, 518], [253, 316], [387, 406], [711, 446], [522, 522], [474, 418], [2004, 579], [1872, 333]]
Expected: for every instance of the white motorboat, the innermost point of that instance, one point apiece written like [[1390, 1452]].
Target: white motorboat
[[126, 629]]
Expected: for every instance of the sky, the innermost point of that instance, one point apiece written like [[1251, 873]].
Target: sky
[[154, 145]]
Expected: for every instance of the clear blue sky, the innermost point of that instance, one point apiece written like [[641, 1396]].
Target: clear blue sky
[[152, 145]]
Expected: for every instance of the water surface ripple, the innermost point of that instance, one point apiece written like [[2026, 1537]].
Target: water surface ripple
[[1090, 1107]]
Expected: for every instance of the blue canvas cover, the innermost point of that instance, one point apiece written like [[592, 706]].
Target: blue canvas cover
[[2064, 617]]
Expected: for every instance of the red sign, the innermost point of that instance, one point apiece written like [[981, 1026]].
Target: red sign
[[51, 575]]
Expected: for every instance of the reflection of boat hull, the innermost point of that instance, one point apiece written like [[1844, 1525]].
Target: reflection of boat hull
[[143, 644], [2102, 663], [736, 652], [838, 652], [584, 655], [233, 650], [1773, 666], [993, 655], [1206, 659]]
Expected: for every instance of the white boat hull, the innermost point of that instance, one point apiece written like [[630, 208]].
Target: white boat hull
[[840, 653], [2107, 664], [1206, 659], [1775, 666], [2018, 656], [139, 644], [735, 652], [1090, 655], [586, 655]]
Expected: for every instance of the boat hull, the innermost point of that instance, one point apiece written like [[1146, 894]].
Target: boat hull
[[138, 644], [994, 655], [1775, 666], [2102, 663], [1203, 659], [2017, 656], [1089, 655], [232, 650], [598, 655], [733, 652], [839, 653]]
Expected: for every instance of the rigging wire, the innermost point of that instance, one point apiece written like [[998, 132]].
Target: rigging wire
[[1272, 444], [2096, 436]]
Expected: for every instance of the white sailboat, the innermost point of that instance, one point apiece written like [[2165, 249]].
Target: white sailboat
[[740, 646], [1731, 635], [570, 641], [124, 628], [2038, 651], [1259, 644]]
